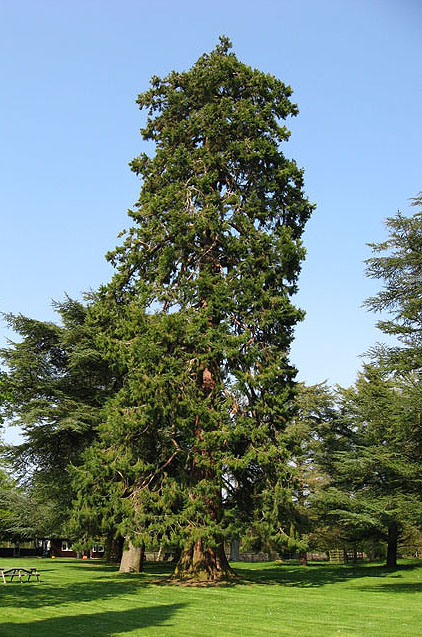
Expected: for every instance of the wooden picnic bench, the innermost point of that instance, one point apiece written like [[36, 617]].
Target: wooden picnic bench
[[20, 573]]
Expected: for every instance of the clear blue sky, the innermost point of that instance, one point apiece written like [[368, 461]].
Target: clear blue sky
[[69, 126]]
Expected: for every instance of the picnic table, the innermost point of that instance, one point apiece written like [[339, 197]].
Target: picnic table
[[20, 573]]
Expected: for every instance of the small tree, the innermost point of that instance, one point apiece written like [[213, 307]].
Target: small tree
[[54, 387], [373, 485]]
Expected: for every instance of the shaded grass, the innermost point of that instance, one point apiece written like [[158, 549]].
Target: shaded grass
[[91, 598]]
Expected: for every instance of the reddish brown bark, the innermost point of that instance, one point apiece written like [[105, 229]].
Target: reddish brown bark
[[201, 564], [198, 563]]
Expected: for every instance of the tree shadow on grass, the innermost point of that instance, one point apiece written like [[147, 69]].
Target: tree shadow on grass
[[158, 568], [97, 565], [95, 625], [159, 574], [312, 576], [36, 595], [406, 587], [392, 585], [106, 583], [278, 574]]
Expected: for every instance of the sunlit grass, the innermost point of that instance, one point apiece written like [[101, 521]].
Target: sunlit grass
[[90, 598]]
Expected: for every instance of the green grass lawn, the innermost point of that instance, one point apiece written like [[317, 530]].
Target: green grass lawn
[[77, 597]]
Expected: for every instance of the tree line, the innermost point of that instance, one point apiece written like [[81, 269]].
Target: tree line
[[162, 409]]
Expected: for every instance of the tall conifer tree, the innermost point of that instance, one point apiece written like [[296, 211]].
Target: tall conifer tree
[[199, 312]]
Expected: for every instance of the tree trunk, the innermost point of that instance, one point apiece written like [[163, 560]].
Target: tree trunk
[[371, 551], [113, 549], [196, 562], [234, 549], [392, 541], [142, 560], [176, 555], [303, 558], [203, 564], [132, 559]]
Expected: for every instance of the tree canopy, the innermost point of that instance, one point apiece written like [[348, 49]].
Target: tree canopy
[[199, 312]]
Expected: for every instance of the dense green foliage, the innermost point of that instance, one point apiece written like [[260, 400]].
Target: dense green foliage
[[24, 513], [397, 263], [199, 314], [54, 387], [373, 479], [6, 487], [361, 447]]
